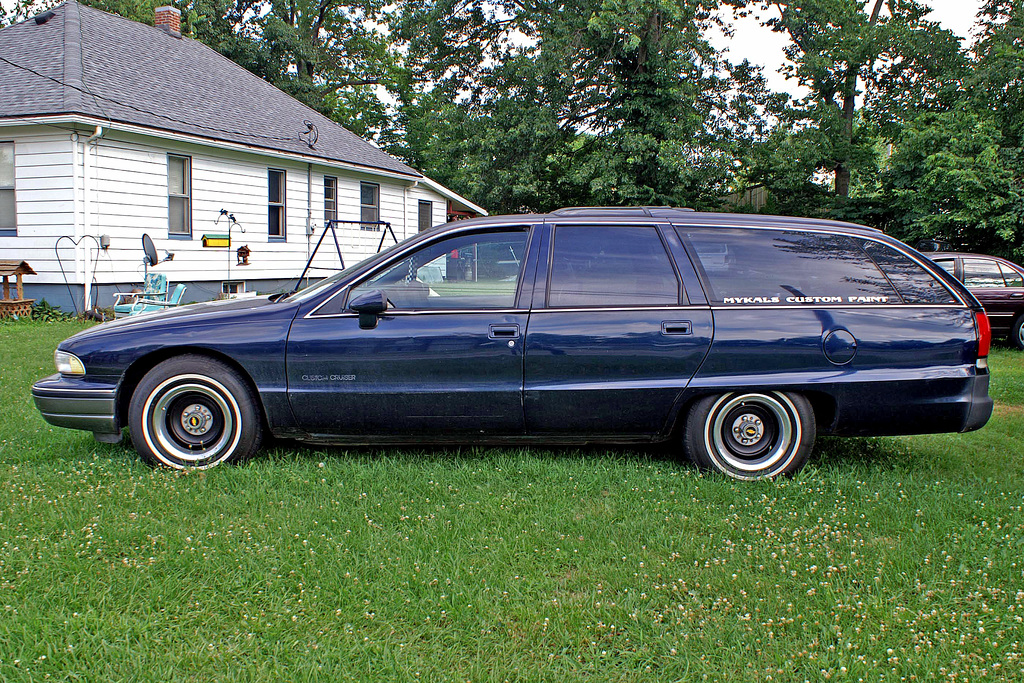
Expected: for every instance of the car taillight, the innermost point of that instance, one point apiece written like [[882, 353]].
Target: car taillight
[[984, 333]]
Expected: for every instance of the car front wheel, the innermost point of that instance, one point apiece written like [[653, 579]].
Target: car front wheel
[[1017, 337], [193, 412], [750, 435]]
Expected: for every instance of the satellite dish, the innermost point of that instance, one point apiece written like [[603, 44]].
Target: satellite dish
[[150, 249]]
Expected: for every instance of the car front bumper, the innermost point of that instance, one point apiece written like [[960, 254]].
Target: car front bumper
[[77, 404]]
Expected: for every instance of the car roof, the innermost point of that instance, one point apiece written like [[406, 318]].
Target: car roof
[[675, 216]]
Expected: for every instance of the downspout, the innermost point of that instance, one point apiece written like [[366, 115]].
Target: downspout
[[405, 208], [86, 224], [309, 207]]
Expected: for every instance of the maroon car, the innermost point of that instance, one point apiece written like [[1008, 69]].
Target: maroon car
[[997, 283]]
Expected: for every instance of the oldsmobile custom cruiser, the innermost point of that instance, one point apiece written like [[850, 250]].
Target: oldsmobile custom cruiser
[[738, 338]]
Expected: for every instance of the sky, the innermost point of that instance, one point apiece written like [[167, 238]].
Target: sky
[[761, 46]]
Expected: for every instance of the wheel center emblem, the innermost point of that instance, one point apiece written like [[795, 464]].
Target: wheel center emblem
[[196, 419], [748, 429]]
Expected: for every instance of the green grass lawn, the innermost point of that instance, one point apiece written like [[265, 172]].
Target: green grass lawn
[[885, 559]]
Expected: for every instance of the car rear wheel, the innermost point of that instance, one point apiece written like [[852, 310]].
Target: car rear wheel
[[193, 412], [750, 435], [1017, 336]]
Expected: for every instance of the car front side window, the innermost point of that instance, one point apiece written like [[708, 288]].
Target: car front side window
[[476, 271]]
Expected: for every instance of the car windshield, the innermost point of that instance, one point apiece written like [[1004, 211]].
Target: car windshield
[[321, 285]]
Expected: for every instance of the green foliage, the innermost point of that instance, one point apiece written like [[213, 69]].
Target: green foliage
[[885, 559], [46, 312], [949, 177]]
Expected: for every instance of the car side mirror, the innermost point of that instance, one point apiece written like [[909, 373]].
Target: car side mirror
[[369, 306]]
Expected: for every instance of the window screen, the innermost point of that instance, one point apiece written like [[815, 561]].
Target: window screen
[[369, 205], [330, 198], [611, 266], [426, 218], [179, 195], [915, 284], [275, 204], [8, 214], [755, 267]]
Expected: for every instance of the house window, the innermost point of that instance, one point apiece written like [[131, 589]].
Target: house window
[[179, 196], [229, 287], [369, 205], [426, 216], [275, 205], [8, 214], [330, 198]]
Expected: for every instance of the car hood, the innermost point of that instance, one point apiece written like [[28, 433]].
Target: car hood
[[220, 311]]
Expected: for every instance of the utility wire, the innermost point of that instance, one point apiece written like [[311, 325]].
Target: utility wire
[[145, 111]]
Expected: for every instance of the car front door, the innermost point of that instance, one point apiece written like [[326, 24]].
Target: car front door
[[444, 359], [613, 341]]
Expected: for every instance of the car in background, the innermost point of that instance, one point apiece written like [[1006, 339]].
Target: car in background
[[997, 283], [737, 338]]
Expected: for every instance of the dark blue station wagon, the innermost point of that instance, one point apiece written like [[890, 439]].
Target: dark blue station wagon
[[739, 338]]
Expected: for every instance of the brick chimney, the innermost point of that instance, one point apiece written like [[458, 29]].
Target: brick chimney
[[169, 19]]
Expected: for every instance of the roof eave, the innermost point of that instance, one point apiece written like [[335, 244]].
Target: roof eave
[[207, 142]]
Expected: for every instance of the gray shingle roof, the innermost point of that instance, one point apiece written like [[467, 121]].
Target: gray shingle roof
[[86, 61]]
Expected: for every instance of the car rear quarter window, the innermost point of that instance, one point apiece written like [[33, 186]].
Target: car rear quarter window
[[610, 266], [776, 267], [1012, 277], [915, 284]]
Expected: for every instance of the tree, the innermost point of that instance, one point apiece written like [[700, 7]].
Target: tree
[[906, 64], [600, 101]]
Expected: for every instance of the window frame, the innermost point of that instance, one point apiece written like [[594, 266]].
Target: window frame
[[984, 259], [376, 207], [419, 215], [281, 207], [681, 297], [330, 214], [346, 291], [187, 235], [11, 230]]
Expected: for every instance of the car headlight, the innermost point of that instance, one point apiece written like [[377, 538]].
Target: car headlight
[[68, 363]]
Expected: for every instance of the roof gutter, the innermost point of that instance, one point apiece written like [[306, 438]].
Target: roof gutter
[[206, 142]]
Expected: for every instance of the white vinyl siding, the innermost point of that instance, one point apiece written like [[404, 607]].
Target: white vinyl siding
[[127, 190]]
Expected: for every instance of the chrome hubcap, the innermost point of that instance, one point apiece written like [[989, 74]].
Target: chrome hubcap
[[748, 429], [196, 419]]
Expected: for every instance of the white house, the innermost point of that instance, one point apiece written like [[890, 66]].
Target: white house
[[110, 129]]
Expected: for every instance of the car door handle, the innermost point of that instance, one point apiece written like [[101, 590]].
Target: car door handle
[[503, 332], [676, 327], [1017, 295]]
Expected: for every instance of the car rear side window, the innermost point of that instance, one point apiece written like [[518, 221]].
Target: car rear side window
[[915, 284], [611, 266], [779, 267], [982, 273]]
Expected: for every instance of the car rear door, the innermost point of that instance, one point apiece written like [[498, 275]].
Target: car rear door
[[998, 287], [613, 338], [445, 359]]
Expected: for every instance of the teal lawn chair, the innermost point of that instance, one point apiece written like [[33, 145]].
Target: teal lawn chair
[[155, 287], [150, 305]]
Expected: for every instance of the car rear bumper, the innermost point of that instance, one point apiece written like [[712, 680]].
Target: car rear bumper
[[981, 405], [77, 404]]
